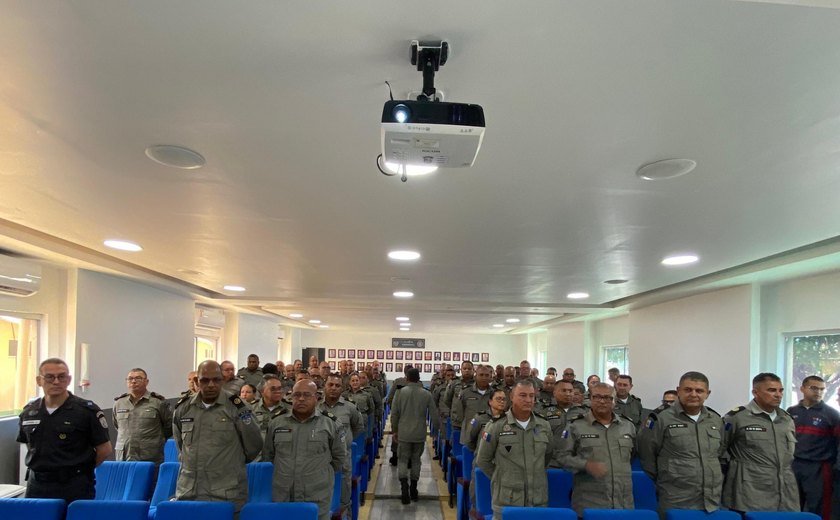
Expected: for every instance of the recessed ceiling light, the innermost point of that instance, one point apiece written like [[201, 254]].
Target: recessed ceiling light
[[405, 329], [411, 170], [296, 315], [323, 326], [616, 281], [315, 322], [175, 156], [404, 255], [667, 169], [234, 288], [123, 245], [405, 324], [513, 320], [498, 325], [577, 295], [679, 260], [402, 318], [403, 294]]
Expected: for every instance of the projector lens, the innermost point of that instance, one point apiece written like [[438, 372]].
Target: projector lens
[[401, 113]]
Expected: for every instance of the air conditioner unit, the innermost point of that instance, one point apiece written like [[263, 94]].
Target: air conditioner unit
[[209, 317], [19, 276]]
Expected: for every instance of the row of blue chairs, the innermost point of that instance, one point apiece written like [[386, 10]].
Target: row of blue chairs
[[53, 509], [131, 481], [548, 513]]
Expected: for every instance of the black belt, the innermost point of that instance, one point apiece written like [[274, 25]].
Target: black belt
[[61, 475]]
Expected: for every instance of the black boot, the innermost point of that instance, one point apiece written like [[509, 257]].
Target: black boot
[[393, 460], [413, 491], [404, 496]]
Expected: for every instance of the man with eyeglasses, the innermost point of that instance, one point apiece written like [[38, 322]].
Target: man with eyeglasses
[[815, 457], [351, 421], [231, 383], [597, 448], [680, 449], [307, 447], [217, 434], [143, 420], [66, 437], [669, 397], [271, 389]]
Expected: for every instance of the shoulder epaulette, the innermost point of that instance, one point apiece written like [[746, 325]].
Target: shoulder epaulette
[[713, 411], [494, 419], [157, 396], [578, 416], [349, 399], [624, 417], [736, 410], [541, 416], [483, 412], [184, 398], [121, 396], [330, 415], [34, 403], [277, 413], [235, 399]]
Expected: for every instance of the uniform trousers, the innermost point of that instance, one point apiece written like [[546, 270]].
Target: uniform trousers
[[814, 479], [81, 486], [409, 454]]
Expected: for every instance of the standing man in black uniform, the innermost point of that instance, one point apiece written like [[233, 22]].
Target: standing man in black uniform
[[67, 437], [815, 455]]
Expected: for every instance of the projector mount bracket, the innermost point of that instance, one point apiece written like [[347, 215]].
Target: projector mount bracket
[[429, 56]]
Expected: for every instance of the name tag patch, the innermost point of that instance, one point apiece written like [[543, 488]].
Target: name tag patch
[[31, 422], [121, 410], [589, 436], [283, 430], [677, 425], [187, 419], [755, 429], [501, 434]]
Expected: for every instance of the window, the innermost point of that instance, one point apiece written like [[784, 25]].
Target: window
[[18, 363], [813, 355], [206, 343], [542, 356], [615, 356]]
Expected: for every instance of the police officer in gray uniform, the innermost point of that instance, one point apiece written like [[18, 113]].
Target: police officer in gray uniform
[[361, 398], [514, 452], [627, 404], [214, 426], [597, 448], [471, 400], [545, 397], [453, 390], [760, 439], [350, 419], [408, 422], [307, 447], [251, 374], [680, 448], [230, 383], [271, 390], [143, 421]]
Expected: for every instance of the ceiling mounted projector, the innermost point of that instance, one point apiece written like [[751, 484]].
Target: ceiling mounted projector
[[427, 132]]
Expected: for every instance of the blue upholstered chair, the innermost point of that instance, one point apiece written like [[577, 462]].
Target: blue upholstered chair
[[124, 480]]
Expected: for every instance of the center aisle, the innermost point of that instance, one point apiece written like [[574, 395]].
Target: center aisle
[[385, 503]]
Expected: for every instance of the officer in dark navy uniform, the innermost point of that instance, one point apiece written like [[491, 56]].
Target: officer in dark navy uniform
[[67, 437]]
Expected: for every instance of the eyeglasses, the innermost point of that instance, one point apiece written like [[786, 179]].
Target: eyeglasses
[[302, 395], [500, 399], [135, 378], [208, 380], [49, 378], [602, 398]]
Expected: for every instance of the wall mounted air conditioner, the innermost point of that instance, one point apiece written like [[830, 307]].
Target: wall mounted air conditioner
[[210, 318], [19, 276]]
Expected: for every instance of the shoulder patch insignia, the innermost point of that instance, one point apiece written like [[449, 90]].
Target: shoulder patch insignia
[[331, 415], [651, 422], [237, 401], [565, 434], [102, 420], [121, 396], [486, 436], [736, 410]]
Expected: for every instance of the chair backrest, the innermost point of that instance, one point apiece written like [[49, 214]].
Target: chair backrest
[[619, 514], [259, 481], [483, 501], [170, 451], [335, 503], [780, 515], [290, 510], [108, 510], [181, 509], [32, 508], [124, 480], [644, 492], [538, 513], [166, 481], [467, 462], [559, 487], [456, 443], [695, 514]]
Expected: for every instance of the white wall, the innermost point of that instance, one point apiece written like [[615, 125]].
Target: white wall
[[504, 349], [603, 333], [565, 347], [710, 333], [257, 335], [128, 325]]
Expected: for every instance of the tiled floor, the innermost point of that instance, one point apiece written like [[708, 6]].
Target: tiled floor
[[386, 503]]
